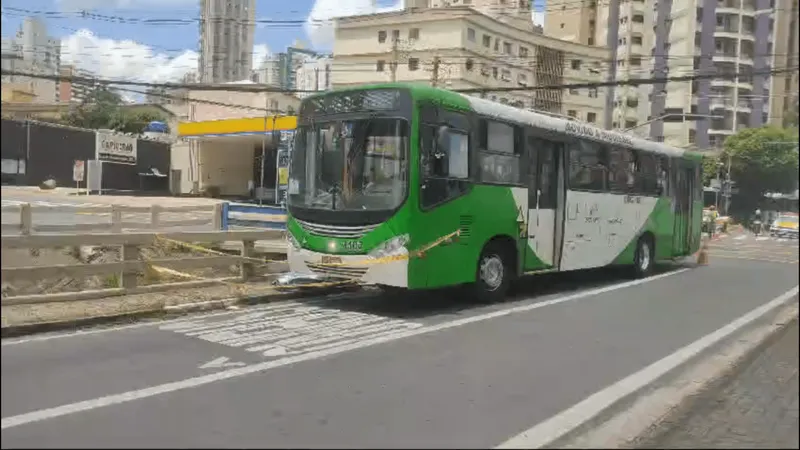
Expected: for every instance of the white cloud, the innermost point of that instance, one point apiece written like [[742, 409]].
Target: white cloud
[[319, 24], [128, 60], [537, 17], [260, 54]]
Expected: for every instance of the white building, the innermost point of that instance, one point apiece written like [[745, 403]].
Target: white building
[[675, 38], [460, 48], [227, 31], [33, 51], [269, 73], [314, 74]]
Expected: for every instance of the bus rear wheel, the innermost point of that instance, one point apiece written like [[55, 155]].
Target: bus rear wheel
[[644, 258], [493, 277]]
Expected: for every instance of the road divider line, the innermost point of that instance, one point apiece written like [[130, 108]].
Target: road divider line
[[125, 397], [546, 433]]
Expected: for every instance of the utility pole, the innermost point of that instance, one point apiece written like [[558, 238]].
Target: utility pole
[[728, 186], [393, 62], [435, 71]]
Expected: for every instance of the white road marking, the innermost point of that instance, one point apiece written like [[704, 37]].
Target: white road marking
[[739, 238], [161, 323], [762, 238], [115, 399], [221, 362], [291, 328], [556, 427]]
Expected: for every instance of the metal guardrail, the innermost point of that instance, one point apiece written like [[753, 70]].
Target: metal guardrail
[[131, 264], [117, 223], [242, 215]]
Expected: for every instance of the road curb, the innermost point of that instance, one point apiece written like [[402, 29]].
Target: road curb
[[648, 413], [166, 312]]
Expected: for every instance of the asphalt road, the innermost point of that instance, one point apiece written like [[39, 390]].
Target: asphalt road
[[361, 371]]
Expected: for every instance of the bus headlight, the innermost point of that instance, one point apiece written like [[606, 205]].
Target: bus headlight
[[292, 241], [391, 247]]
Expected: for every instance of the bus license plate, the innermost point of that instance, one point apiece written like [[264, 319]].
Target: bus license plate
[[331, 260]]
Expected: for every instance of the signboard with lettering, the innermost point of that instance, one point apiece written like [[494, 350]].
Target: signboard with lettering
[[115, 148], [282, 167], [78, 170]]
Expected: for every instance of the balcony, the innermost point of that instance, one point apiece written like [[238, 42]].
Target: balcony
[[725, 57], [726, 32], [720, 82]]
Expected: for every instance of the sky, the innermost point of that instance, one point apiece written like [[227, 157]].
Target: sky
[[160, 51]]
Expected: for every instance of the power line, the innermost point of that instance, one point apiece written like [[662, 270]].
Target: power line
[[266, 88]]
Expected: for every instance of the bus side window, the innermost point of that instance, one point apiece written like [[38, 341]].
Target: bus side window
[[663, 176], [444, 161], [648, 174], [588, 166]]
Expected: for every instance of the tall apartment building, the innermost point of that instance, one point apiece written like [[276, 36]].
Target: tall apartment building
[[227, 31], [282, 70], [75, 90], [499, 51], [671, 38], [33, 51]]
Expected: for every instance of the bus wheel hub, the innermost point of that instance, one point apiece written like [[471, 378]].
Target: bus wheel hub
[[492, 271]]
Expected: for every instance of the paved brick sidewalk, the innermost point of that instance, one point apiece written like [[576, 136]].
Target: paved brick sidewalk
[[756, 409]]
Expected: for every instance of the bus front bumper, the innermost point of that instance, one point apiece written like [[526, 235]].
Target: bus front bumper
[[359, 268]]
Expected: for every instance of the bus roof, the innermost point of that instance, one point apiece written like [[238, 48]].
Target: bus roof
[[536, 119]]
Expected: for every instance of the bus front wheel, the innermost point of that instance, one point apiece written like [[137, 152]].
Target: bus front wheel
[[494, 272], [644, 258]]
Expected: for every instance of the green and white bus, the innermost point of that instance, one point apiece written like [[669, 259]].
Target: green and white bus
[[381, 171]]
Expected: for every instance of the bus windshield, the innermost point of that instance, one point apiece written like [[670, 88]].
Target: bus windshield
[[350, 165]]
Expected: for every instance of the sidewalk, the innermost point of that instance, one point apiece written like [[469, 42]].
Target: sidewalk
[[756, 409]]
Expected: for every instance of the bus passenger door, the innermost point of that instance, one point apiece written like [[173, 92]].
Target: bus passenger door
[[545, 216], [682, 192]]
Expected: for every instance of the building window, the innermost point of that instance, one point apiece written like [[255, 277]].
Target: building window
[[523, 52], [469, 65], [637, 18], [636, 61], [506, 48], [562, 25], [471, 34], [591, 117], [590, 41], [413, 64], [572, 113], [576, 64], [381, 36], [636, 40], [380, 66], [593, 92], [497, 45], [395, 35], [494, 72], [413, 33], [487, 41], [630, 124], [505, 75], [573, 91]]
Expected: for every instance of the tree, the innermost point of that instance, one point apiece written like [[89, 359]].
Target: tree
[[104, 109], [762, 160], [711, 168]]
